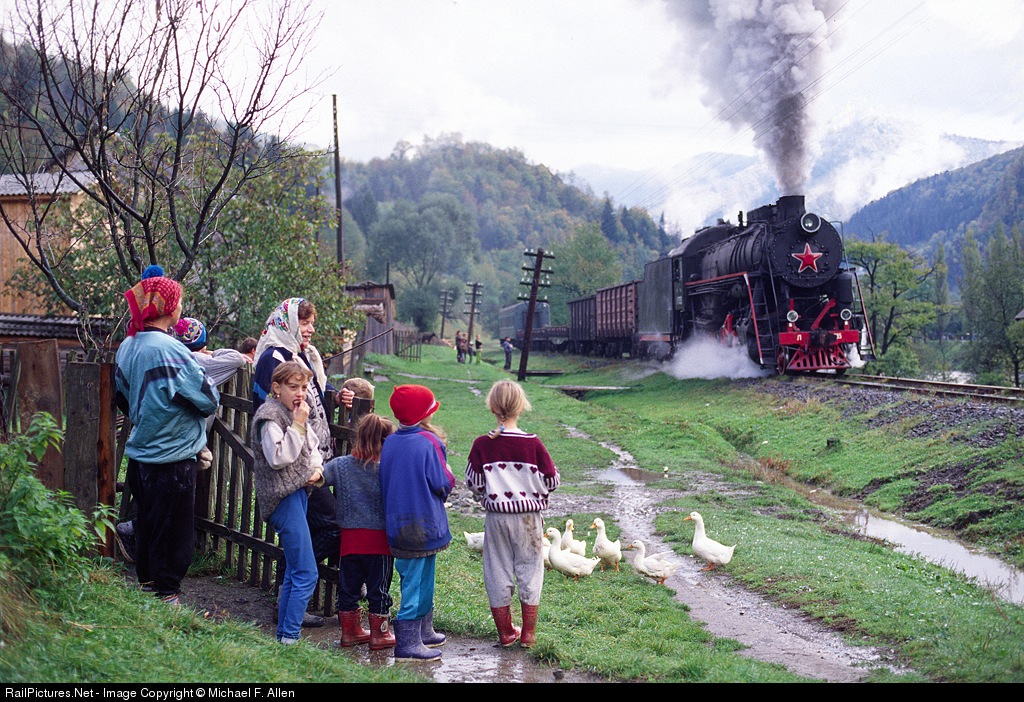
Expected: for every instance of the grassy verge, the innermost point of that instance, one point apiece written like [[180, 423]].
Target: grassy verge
[[102, 631]]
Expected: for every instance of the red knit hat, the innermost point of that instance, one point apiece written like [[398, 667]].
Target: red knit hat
[[411, 404]]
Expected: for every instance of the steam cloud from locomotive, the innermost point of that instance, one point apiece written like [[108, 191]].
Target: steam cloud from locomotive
[[757, 60]]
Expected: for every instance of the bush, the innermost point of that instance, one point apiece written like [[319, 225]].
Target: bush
[[43, 536]]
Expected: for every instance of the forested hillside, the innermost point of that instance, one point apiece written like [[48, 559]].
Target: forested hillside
[[940, 209], [446, 212]]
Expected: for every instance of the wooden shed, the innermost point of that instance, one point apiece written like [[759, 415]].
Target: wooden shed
[[16, 195], [380, 298]]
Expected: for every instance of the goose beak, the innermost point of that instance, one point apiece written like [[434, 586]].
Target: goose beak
[[687, 519]]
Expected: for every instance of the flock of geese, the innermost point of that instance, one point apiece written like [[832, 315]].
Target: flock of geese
[[566, 554]]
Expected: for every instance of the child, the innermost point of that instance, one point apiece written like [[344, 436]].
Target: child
[[287, 465], [415, 482], [220, 365], [350, 390], [513, 498], [365, 555]]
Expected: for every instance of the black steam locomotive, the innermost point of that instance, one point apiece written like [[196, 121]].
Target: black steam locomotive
[[776, 284]]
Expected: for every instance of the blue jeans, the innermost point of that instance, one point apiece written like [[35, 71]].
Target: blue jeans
[[417, 581], [300, 572]]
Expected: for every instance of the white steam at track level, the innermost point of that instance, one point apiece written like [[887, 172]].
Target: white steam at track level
[[758, 60], [705, 357]]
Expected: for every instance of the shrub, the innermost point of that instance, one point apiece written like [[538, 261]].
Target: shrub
[[43, 536]]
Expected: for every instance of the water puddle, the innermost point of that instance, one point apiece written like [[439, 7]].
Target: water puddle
[[1003, 580], [770, 632], [933, 545]]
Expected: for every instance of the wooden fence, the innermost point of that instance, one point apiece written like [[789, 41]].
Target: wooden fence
[[408, 345]]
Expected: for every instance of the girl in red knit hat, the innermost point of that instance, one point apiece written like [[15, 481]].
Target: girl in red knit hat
[[415, 482]]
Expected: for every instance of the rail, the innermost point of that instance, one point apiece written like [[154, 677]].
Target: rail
[[989, 393]]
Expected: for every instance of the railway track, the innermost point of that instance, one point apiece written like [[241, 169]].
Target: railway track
[[988, 393]]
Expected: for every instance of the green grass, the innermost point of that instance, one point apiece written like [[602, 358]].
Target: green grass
[[103, 631]]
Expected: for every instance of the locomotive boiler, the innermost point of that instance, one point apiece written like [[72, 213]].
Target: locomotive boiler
[[775, 284]]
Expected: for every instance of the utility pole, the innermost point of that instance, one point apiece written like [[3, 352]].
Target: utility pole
[[472, 299], [539, 279], [446, 300], [337, 185]]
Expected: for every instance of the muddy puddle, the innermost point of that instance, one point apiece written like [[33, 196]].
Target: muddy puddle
[[463, 660]]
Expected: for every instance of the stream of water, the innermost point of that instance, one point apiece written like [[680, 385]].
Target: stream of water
[[1003, 580]]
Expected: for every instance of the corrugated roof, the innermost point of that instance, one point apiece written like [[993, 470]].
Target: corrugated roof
[[13, 185], [38, 326]]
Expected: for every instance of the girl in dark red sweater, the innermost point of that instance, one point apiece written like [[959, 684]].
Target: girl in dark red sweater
[[511, 474]]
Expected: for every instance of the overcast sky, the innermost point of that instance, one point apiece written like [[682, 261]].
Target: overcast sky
[[624, 83], [614, 82]]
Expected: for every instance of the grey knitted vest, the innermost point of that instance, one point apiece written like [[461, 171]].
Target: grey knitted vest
[[273, 485]]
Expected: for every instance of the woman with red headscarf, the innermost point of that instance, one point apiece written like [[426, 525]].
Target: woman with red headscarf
[[167, 397]]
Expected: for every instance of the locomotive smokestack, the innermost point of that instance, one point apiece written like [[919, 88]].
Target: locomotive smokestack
[[756, 61]]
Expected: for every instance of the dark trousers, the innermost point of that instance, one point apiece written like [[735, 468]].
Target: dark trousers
[[374, 570], [165, 526]]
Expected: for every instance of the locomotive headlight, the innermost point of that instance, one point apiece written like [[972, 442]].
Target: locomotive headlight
[[792, 316], [810, 222], [846, 315]]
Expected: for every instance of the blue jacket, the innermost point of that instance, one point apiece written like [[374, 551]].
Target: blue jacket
[[167, 395], [415, 482]]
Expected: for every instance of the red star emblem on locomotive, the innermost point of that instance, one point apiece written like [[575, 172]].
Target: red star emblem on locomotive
[[808, 259]]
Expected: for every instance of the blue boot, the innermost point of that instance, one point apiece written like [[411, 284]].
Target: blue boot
[[408, 644], [430, 638]]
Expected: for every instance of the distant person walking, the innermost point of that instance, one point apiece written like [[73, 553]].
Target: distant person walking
[[506, 346]]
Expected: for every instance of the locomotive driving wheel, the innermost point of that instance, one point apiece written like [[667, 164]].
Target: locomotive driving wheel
[[782, 357]]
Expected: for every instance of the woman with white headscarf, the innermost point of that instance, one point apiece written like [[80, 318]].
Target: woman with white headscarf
[[286, 337]]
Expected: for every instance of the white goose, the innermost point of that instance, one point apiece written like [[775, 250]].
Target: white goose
[[610, 552], [566, 562], [569, 543], [547, 550], [657, 566], [708, 549], [474, 540]]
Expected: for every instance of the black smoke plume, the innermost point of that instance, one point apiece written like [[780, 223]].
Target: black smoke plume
[[757, 60]]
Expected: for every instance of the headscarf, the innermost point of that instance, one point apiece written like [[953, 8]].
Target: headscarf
[[152, 297], [282, 329]]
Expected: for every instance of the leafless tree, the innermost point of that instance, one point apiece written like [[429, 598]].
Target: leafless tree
[[159, 111]]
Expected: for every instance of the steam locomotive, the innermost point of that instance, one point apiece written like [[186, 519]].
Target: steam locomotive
[[776, 284]]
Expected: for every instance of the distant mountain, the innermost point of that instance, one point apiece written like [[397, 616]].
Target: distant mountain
[[943, 206], [857, 163]]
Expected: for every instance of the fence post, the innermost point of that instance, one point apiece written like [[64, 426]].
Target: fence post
[[38, 389], [90, 466]]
